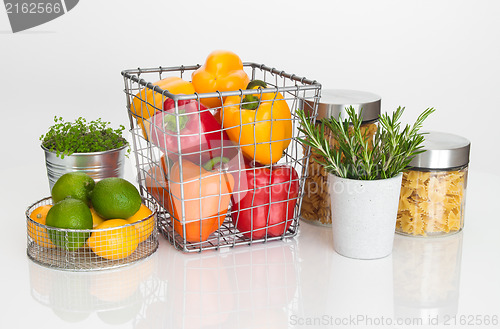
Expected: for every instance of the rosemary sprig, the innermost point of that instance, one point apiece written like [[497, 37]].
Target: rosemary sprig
[[359, 157]]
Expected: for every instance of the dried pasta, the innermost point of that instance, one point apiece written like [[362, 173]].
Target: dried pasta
[[316, 203], [431, 202]]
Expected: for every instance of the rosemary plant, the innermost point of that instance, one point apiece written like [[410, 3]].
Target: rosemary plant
[[66, 138], [357, 156]]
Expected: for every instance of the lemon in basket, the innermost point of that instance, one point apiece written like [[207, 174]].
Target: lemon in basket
[[115, 198], [39, 233], [76, 185], [70, 214], [145, 222], [96, 219], [114, 239]]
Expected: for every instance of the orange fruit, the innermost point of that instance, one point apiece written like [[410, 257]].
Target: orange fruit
[[144, 225], [114, 239], [39, 233]]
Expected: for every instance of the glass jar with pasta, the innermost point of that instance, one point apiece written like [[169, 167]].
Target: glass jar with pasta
[[316, 207], [432, 199]]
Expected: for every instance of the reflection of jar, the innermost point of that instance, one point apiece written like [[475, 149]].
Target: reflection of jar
[[432, 200], [316, 207], [426, 275]]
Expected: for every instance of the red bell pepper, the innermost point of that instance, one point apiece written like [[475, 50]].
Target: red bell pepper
[[267, 208], [198, 131]]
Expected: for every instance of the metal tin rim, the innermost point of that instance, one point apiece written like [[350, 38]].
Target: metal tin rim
[[88, 153], [334, 101], [442, 151]]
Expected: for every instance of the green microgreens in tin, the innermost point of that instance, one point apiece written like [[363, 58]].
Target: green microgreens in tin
[[358, 156], [80, 136]]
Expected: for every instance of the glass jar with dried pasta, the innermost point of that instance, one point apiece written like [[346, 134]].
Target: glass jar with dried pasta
[[316, 207], [432, 199]]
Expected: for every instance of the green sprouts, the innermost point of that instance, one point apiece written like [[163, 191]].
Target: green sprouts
[[66, 138]]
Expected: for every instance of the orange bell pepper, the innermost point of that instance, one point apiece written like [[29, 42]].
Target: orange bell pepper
[[147, 102], [222, 71], [260, 123], [207, 194]]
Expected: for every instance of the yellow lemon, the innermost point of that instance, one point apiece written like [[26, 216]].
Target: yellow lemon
[[145, 222], [39, 233], [96, 219], [114, 239]]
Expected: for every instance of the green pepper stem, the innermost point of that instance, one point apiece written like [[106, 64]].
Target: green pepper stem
[[210, 164], [250, 102], [170, 122], [256, 83]]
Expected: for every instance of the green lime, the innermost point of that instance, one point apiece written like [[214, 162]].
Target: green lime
[[115, 198], [76, 185], [69, 214]]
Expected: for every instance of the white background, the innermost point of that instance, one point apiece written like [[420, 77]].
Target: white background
[[417, 54]]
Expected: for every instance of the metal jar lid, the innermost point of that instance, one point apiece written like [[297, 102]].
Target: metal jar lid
[[334, 102], [442, 151]]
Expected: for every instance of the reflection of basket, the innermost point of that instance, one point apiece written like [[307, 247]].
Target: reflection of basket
[[72, 251], [183, 205], [118, 295]]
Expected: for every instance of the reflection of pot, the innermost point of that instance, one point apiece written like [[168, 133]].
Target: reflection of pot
[[359, 287], [426, 276], [97, 165], [73, 296]]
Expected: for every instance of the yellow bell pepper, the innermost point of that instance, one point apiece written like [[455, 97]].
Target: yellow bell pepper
[[222, 71], [147, 102], [260, 123]]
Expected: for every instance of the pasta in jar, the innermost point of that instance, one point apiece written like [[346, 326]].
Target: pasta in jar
[[316, 204], [432, 198], [431, 202]]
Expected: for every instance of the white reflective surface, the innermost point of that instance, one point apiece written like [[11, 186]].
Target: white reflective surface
[[300, 283]]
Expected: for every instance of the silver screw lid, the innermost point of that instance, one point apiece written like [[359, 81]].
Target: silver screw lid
[[442, 151], [333, 102]]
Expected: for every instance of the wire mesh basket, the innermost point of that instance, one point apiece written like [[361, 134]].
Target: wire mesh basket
[[220, 184], [90, 249]]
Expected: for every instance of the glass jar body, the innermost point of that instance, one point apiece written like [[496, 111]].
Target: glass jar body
[[432, 202], [316, 202]]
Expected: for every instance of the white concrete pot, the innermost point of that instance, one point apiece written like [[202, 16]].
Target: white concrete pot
[[364, 216]]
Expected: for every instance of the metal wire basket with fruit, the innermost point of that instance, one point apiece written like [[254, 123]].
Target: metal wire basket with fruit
[[88, 226], [220, 153]]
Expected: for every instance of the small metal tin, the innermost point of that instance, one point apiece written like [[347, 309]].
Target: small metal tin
[[97, 165], [333, 102], [442, 151]]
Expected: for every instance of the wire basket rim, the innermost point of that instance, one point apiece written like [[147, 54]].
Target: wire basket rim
[[31, 208], [134, 75]]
